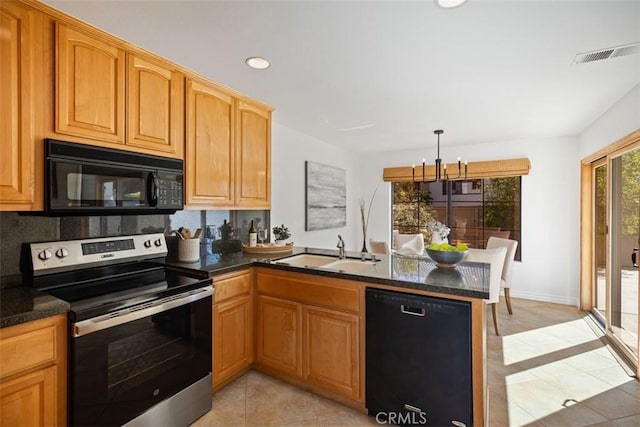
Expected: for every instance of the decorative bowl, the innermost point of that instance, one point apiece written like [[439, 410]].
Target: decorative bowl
[[446, 259]]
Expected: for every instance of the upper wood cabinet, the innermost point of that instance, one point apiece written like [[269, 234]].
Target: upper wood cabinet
[[61, 78], [155, 106], [253, 173], [21, 88], [210, 156], [90, 90], [110, 96], [228, 159]]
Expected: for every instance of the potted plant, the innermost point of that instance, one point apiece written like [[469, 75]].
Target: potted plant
[[281, 233]]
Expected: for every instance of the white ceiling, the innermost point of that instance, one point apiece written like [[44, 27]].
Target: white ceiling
[[393, 71]]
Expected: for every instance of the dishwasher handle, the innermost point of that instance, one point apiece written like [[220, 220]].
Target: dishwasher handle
[[413, 311]]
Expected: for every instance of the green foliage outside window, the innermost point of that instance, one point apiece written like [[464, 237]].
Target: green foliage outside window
[[411, 209], [502, 196], [631, 193]]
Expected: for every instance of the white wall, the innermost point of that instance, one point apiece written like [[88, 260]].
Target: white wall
[[620, 120], [290, 149], [550, 209], [549, 270]]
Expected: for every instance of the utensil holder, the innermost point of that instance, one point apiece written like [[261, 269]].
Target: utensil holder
[[189, 250]]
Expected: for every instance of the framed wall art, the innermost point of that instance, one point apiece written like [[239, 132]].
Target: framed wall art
[[325, 196]]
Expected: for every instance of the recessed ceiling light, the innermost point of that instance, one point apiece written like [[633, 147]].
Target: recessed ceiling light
[[449, 4], [257, 62]]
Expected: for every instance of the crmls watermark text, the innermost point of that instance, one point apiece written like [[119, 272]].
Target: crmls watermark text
[[401, 418]]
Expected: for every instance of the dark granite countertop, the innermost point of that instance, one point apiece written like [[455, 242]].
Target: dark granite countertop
[[23, 304], [468, 279]]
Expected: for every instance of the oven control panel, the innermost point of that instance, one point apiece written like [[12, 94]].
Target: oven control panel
[[49, 256]]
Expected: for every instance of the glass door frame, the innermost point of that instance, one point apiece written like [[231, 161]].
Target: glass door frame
[[601, 317], [587, 240]]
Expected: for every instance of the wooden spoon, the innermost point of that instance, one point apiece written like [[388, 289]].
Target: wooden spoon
[[185, 232]]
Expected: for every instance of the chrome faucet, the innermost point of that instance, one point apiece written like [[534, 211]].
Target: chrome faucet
[[340, 247]]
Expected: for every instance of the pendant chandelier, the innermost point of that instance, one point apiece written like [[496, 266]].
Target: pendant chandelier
[[441, 173]]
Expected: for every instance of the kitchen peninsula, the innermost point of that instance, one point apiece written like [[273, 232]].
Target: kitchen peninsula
[[307, 325]]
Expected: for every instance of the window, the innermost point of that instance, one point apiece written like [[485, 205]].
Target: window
[[474, 209]]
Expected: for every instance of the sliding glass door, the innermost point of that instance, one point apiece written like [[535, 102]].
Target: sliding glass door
[[600, 229], [616, 237], [625, 234]]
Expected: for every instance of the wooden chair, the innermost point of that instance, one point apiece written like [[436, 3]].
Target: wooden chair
[[378, 247], [511, 245], [494, 257]]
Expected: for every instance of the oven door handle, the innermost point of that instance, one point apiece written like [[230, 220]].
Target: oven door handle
[[130, 314]]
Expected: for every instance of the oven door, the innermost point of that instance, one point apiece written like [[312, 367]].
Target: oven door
[[123, 364]]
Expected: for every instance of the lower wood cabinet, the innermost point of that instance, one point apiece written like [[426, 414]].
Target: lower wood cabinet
[[279, 335], [232, 326], [331, 350], [33, 373], [29, 400], [309, 329]]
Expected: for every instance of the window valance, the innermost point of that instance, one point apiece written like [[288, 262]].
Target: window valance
[[475, 170]]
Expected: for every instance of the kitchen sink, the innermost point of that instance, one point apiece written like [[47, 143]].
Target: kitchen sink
[[348, 265], [307, 260]]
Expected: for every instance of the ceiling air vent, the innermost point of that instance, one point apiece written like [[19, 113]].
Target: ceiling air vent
[[610, 52]]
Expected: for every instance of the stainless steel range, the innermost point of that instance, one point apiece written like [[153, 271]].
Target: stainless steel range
[[139, 334]]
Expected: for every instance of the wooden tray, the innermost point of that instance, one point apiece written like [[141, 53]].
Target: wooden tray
[[267, 248]]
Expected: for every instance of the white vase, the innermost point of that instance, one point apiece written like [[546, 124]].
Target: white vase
[[435, 238]]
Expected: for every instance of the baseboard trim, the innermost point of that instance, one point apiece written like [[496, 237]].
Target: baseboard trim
[[545, 298]]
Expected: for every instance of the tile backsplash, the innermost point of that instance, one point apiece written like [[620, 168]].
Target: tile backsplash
[[16, 229]]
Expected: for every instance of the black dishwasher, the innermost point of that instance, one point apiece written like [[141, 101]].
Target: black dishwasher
[[418, 355]]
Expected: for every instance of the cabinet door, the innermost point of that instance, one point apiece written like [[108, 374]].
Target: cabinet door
[[232, 338], [17, 57], [279, 330], [155, 106], [331, 350], [210, 153], [89, 86], [29, 400], [253, 177]]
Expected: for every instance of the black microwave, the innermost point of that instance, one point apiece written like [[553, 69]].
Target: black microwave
[[88, 180]]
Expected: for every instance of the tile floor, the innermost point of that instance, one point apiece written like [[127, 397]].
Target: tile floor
[[549, 368]]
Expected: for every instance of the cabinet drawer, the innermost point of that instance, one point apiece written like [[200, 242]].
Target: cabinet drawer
[[310, 289], [27, 350], [231, 285]]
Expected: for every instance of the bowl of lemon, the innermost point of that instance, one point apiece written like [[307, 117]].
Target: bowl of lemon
[[446, 255]]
